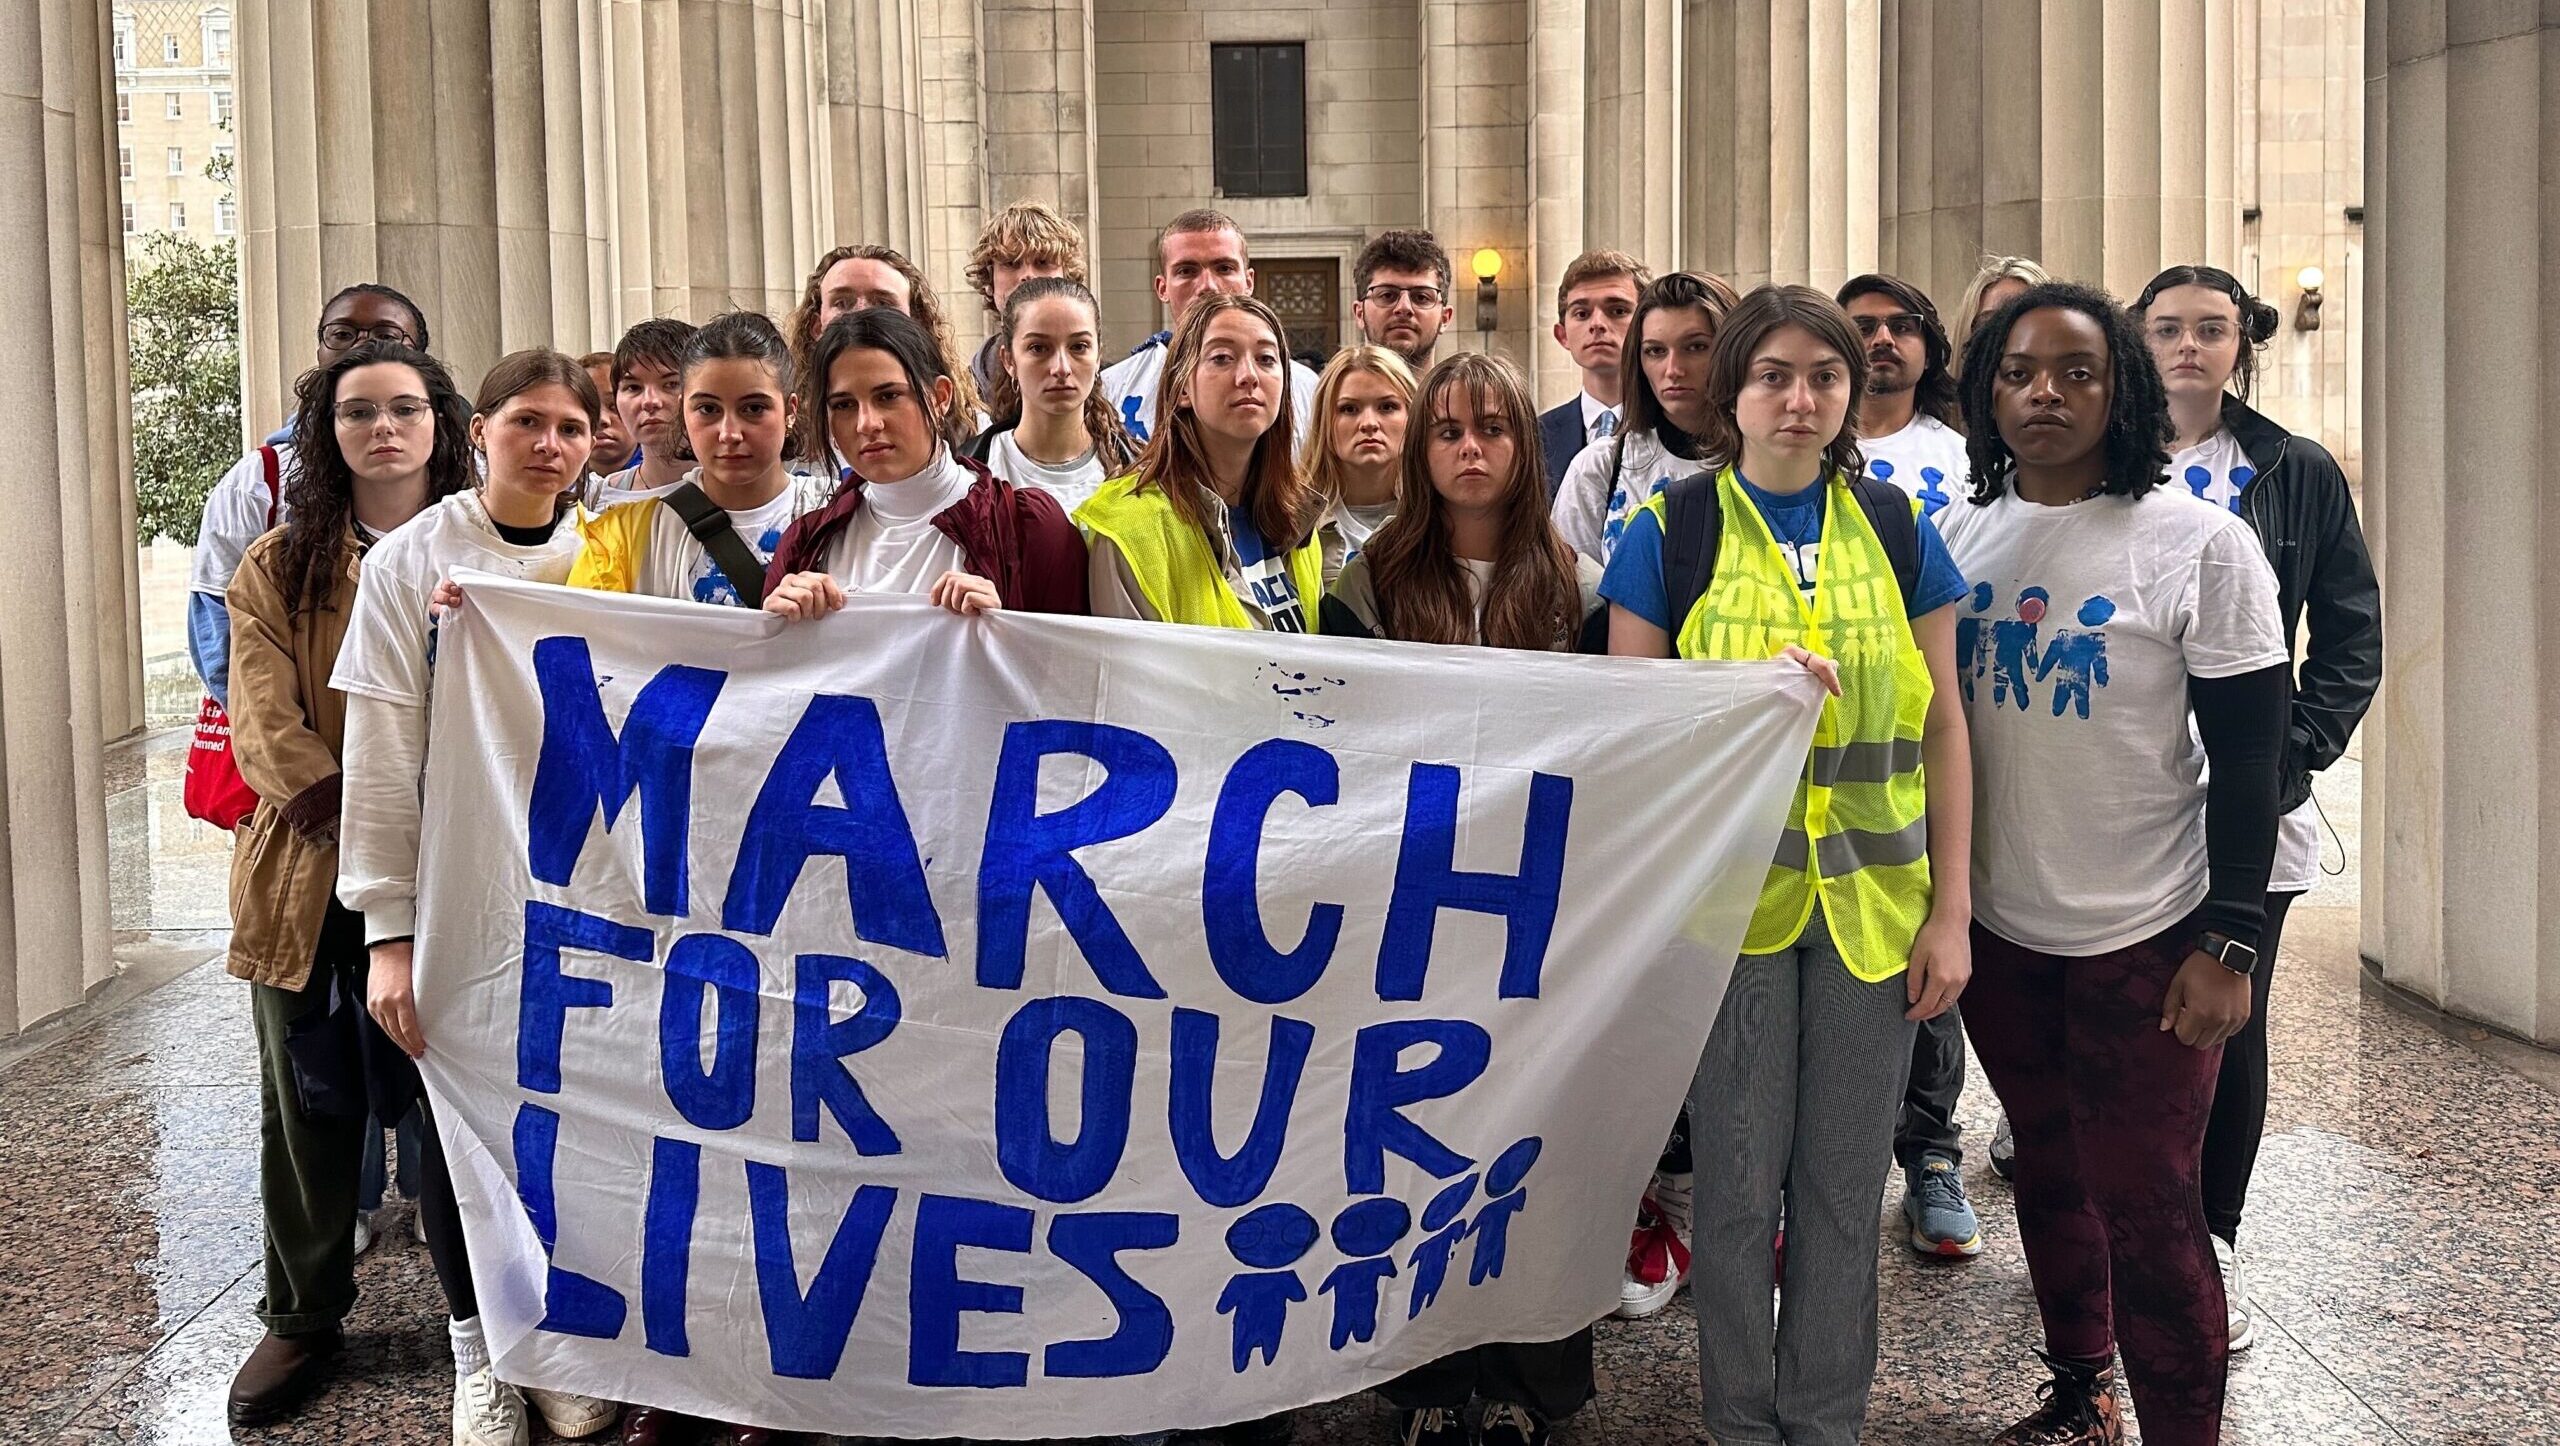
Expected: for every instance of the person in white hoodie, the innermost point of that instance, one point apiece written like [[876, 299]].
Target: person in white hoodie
[[533, 425]]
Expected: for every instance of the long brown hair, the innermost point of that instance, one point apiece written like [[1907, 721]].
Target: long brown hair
[[1643, 412], [320, 488], [1315, 450], [1113, 447], [1534, 598], [1284, 509], [1766, 310], [519, 372], [961, 426]]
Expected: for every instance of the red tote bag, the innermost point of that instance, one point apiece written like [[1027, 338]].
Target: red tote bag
[[214, 790]]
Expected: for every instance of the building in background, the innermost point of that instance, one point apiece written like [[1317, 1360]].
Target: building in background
[[175, 123]]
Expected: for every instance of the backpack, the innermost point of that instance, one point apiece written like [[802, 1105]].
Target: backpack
[[1693, 518]]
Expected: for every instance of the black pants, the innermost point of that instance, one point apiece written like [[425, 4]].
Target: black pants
[[1927, 1124], [1552, 1379], [310, 1159], [2240, 1094]]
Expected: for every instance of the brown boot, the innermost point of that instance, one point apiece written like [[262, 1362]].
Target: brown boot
[[280, 1375], [2079, 1409]]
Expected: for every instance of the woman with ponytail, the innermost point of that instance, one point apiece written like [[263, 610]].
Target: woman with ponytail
[[2204, 330]]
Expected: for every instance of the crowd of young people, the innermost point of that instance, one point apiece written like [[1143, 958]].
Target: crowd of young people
[[2050, 569]]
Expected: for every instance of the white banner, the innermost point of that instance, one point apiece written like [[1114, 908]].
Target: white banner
[[1018, 1027]]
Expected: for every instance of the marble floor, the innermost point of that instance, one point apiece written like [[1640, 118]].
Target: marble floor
[[2402, 1227]]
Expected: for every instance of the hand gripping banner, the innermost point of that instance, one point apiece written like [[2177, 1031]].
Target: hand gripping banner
[[1019, 1026]]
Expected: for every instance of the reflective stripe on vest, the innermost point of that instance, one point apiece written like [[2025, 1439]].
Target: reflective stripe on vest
[[1857, 836], [1178, 575]]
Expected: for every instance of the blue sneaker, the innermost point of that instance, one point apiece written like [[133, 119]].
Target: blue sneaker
[[1941, 1218]]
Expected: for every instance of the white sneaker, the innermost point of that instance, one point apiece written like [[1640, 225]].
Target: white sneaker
[[1658, 1251], [364, 1231], [570, 1415], [2004, 1150], [2235, 1295], [487, 1411]]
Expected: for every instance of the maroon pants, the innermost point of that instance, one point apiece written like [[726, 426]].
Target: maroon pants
[[2109, 1113]]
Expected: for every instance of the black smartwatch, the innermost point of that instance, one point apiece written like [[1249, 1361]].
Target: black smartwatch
[[2230, 953]]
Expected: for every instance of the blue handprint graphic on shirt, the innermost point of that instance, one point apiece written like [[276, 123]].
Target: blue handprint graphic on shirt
[[714, 587], [2077, 661]]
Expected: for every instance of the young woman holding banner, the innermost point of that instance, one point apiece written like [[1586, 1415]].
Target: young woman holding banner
[[1470, 558], [914, 518], [1787, 548], [533, 424], [382, 438], [1215, 527]]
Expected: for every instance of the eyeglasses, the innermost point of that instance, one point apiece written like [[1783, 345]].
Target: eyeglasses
[[1424, 298], [405, 412], [339, 335], [1904, 324], [2167, 331]]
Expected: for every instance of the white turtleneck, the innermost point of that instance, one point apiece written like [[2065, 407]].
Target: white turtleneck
[[891, 545]]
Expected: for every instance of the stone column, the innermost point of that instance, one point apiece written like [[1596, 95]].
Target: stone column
[[2463, 112], [589, 164], [68, 674], [1633, 63], [1556, 180], [2098, 140], [1040, 123], [1476, 159], [1783, 151]]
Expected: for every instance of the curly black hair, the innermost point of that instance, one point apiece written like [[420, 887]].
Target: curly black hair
[[2138, 430], [320, 490]]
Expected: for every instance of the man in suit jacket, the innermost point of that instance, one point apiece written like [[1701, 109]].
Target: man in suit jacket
[[1594, 302]]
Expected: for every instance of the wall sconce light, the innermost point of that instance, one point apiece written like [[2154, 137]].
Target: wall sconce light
[[2306, 308], [1487, 266]]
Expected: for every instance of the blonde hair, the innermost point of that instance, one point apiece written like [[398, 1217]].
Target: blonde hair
[[1024, 232], [1994, 269], [1316, 461]]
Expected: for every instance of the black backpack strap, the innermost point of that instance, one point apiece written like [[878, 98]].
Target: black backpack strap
[[1693, 527], [982, 447], [711, 527], [1894, 516]]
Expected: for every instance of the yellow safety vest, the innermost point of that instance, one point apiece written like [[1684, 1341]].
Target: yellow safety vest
[[1176, 572], [1857, 834]]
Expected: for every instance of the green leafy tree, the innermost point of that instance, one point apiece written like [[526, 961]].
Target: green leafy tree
[[182, 318]]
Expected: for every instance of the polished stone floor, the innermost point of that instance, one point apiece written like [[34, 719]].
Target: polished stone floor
[[2405, 1225]]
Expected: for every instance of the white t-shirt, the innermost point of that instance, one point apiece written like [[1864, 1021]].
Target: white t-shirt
[[2218, 471], [1593, 503], [235, 515], [1071, 483], [1130, 383], [891, 544], [1926, 459], [616, 488], [391, 640], [1356, 525], [2215, 470], [2073, 653], [676, 566]]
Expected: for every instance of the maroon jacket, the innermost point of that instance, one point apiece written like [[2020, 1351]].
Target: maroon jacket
[[1018, 538]]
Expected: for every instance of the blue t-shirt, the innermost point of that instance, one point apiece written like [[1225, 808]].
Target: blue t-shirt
[[1635, 582]]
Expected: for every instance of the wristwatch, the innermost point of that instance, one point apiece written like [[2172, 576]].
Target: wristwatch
[[2230, 953]]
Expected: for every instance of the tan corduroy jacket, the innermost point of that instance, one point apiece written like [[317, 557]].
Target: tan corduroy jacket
[[287, 727]]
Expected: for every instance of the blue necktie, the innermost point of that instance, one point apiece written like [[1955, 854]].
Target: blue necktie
[[1604, 426]]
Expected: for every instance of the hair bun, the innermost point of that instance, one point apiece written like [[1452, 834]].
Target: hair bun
[[2261, 321]]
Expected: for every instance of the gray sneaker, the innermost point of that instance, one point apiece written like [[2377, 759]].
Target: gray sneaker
[[1940, 1217]]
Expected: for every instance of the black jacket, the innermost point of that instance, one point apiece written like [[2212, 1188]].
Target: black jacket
[[2299, 506]]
